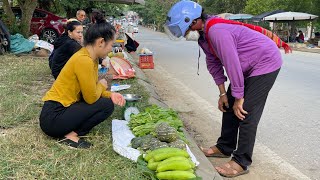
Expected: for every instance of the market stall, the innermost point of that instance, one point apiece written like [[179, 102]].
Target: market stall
[[225, 15], [287, 28], [261, 17], [240, 17]]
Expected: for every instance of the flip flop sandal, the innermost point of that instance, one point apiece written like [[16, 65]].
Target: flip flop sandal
[[81, 144], [231, 172], [216, 154]]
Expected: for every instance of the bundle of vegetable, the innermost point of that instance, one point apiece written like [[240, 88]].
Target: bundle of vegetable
[[144, 123], [170, 163]]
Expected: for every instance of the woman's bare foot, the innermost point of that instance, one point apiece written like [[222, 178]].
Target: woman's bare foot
[[72, 140], [72, 136]]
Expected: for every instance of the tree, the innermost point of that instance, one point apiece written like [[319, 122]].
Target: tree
[[8, 11], [154, 11], [27, 8], [257, 7], [111, 9], [223, 6]]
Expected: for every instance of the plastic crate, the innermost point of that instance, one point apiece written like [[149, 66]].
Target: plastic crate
[[145, 58], [146, 65]]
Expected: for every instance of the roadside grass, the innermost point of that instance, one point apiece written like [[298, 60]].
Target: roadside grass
[[27, 153], [21, 80]]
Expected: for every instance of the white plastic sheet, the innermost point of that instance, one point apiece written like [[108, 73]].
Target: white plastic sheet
[[122, 136], [116, 88]]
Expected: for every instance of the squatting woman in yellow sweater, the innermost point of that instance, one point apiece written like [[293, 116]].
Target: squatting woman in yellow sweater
[[77, 101]]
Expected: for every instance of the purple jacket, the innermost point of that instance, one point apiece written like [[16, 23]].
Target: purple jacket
[[243, 53]]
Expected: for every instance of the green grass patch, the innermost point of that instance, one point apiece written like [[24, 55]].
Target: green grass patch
[[22, 82], [27, 153]]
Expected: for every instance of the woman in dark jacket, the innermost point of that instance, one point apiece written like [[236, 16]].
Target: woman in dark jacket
[[65, 46]]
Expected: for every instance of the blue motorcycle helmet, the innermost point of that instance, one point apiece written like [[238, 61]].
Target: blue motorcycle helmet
[[180, 17]]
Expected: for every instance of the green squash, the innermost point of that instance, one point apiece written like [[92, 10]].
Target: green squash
[[165, 132], [136, 142], [178, 144]]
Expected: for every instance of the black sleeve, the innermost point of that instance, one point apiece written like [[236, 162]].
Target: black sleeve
[[73, 46], [100, 60]]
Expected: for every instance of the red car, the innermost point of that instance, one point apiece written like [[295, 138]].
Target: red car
[[46, 25]]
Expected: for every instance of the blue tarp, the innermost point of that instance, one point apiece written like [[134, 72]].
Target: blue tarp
[[20, 45]]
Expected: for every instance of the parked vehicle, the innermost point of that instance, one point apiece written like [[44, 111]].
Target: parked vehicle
[[46, 25], [135, 28], [4, 38]]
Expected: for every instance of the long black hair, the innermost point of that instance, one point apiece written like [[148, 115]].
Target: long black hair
[[101, 29]]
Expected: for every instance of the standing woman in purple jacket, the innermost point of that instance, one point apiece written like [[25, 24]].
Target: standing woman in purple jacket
[[252, 62]]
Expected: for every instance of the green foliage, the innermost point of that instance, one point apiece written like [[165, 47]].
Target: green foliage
[[222, 6], [68, 9], [154, 11], [111, 9], [257, 7], [12, 27]]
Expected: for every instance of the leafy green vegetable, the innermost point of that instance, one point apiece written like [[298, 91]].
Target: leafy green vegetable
[[144, 123]]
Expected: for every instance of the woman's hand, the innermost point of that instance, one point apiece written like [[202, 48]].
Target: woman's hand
[[238, 109], [118, 99], [104, 82], [223, 100]]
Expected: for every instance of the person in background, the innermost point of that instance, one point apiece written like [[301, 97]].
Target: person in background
[[131, 44], [300, 38], [77, 100], [81, 16], [314, 41], [252, 62], [65, 46]]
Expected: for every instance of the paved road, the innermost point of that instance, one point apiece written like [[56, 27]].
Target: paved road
[[290, 126]]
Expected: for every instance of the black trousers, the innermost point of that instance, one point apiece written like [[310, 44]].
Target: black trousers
[[57, 120], [256, 91]]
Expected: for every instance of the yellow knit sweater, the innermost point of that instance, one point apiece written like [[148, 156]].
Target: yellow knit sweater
[[79, 77]]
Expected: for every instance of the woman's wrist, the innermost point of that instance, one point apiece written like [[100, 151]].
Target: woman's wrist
[[222, 94]]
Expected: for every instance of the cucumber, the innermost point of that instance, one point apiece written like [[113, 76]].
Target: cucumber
[[191, 170], [193, 165], [160, 150], [175, 158], [162, 156], [153, 165], [151, 160], [178, 165], [175, 175]]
